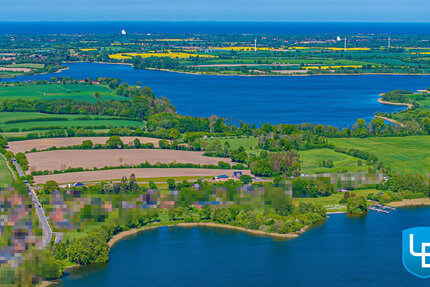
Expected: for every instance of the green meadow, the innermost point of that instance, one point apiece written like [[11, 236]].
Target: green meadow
[[402, 154], [311, 159], [72, 121], [76, 92]]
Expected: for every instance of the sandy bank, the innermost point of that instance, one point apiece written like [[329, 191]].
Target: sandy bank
[[47, 284], [390, 120], [411, 202], [380, 100], [250, 231]]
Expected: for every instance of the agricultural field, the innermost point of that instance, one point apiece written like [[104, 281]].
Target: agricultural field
[[169, 54], [311, 159], [76, 92], [402, 154], [42, 144], [90, 159], [19, 121], [155, 174], [12, 70]]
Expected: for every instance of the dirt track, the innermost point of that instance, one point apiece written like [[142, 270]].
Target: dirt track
[[89, 159], [41, 144], [116, 174]]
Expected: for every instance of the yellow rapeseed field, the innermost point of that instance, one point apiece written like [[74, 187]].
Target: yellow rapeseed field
[[329, 48], [332, 67], [173, 55], [88, 49]]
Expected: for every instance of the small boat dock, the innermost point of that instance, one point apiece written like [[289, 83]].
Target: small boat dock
[[382, 208]]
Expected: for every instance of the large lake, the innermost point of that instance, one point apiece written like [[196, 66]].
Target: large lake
[[345, 251], [334, 100]]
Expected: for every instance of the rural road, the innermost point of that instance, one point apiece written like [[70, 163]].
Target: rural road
[[47, 231]]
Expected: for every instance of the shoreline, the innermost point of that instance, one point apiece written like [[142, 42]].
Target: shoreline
[[390, 120], [256, 75], [116, 238], [409, 106], [381, 101]]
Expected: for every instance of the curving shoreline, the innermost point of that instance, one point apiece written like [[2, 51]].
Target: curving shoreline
[[409, 106], [115, 239], [390, 120]]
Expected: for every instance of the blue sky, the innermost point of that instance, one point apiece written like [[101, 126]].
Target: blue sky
[[217, 10]]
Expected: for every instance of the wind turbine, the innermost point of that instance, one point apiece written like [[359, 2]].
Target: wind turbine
[[340, 39], [255, 44]]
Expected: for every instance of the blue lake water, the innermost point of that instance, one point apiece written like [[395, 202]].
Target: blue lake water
[[334, 100], [344, 251]]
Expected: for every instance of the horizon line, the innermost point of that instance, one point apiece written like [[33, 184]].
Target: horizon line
[[219, 21]]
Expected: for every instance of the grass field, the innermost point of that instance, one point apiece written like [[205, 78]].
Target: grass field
[[59, 91], [401, 154], [72, 121], [332, 202], [312, 158], [5, 175], [425, 104]]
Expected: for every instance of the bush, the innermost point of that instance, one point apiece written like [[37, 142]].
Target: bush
[[50, 186], [245, 179], [92, 248], [261, 167], [114, 142], [171, 183], [357, 205], [223, 165]]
